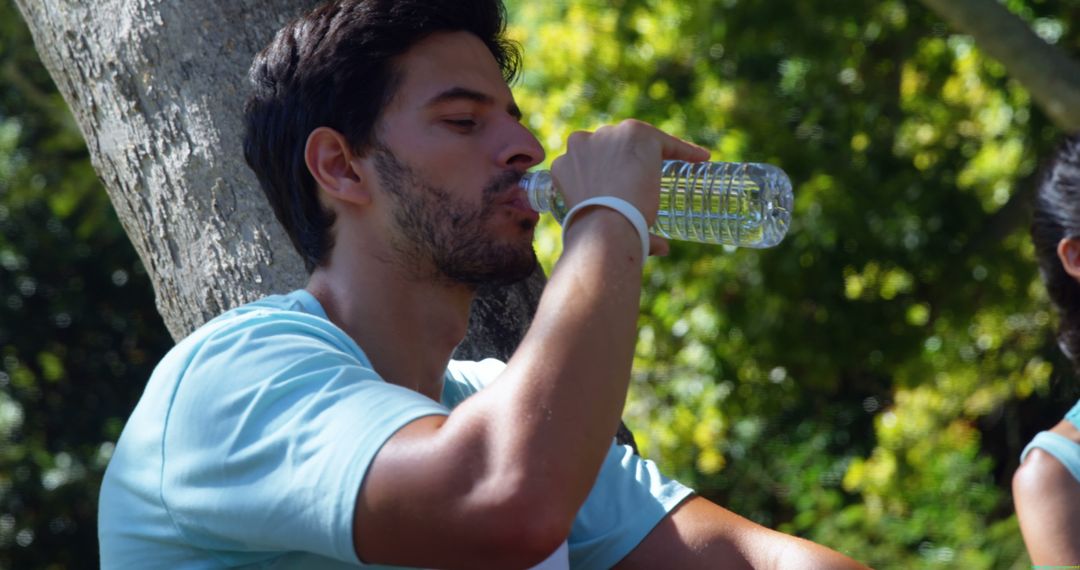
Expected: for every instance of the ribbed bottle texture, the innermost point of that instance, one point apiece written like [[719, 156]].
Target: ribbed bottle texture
[[742, 204]]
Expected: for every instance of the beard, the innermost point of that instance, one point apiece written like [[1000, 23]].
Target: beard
[[446, 239]]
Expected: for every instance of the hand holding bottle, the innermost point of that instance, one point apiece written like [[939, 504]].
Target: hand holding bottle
[[742, 204], [730, 203], [621, 161]]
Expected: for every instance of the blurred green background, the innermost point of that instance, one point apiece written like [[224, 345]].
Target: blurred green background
[[868, 384]]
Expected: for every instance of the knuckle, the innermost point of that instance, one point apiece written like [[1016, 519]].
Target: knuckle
[[576, 138]]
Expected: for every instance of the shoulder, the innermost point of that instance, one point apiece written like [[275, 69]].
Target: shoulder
[[255, 368], [1046, 492], [1039, 474], [1047, 460], [264, 335], [296, 313]]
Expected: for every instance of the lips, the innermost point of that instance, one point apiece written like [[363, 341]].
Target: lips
[[518, 199], [520, 202], [513, 196]]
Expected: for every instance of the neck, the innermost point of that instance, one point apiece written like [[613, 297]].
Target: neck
[[408, 328]]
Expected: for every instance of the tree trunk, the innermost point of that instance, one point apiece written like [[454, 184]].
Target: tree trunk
[[1052, 79], [157, 89]]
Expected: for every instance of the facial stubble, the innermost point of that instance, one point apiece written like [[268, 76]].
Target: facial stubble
[[444, 238]]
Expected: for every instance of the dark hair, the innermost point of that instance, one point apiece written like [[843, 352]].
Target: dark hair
[[1057, 216], [335, 67]]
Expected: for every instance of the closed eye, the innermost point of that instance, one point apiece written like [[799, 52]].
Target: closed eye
[[461, 124]]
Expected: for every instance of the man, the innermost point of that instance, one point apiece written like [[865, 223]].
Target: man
[[325, 428]]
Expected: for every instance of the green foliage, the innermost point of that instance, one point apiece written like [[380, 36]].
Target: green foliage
[[865, 384], [79, 333]]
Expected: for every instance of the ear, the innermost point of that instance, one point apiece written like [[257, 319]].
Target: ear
[[330, 160], [1068, 251]]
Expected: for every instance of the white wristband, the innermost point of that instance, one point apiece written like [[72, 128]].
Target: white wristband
[[632, 215]]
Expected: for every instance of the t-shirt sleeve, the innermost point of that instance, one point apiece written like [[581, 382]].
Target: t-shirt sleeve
[[465, 378], [270, 433], [627, 501], [1073, 415]]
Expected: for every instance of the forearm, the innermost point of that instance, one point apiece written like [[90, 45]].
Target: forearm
[[559, 401], [702, 534], [577, 357]]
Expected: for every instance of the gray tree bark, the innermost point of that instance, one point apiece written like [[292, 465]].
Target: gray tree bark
[[157, 88], [1052, 79]]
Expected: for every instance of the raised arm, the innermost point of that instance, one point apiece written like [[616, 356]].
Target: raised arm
[[497, 483]]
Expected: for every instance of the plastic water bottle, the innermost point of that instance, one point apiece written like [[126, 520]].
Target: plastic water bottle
[[744, 204]]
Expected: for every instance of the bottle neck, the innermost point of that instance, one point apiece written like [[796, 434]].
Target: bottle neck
[[540, 190]]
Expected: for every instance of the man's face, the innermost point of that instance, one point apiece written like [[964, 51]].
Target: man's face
[[449, 155]]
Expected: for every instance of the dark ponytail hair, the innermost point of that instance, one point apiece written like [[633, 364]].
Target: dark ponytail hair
[[1057, 216]]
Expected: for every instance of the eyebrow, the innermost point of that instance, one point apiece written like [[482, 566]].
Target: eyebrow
[[459, 93]]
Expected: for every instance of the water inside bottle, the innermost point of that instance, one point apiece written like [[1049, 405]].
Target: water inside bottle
[[732, 203]]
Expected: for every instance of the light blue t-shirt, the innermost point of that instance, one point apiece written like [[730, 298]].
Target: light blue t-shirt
[[1062, 448], [254, 435]]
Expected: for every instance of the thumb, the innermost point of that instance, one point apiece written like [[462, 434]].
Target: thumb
[[658, 246]]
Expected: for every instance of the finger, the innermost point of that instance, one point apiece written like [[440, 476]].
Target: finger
[[658, 246], [671, 147], [577, 138], [674, 148]]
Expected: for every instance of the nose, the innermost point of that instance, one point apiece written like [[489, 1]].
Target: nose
[[521, 149]]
